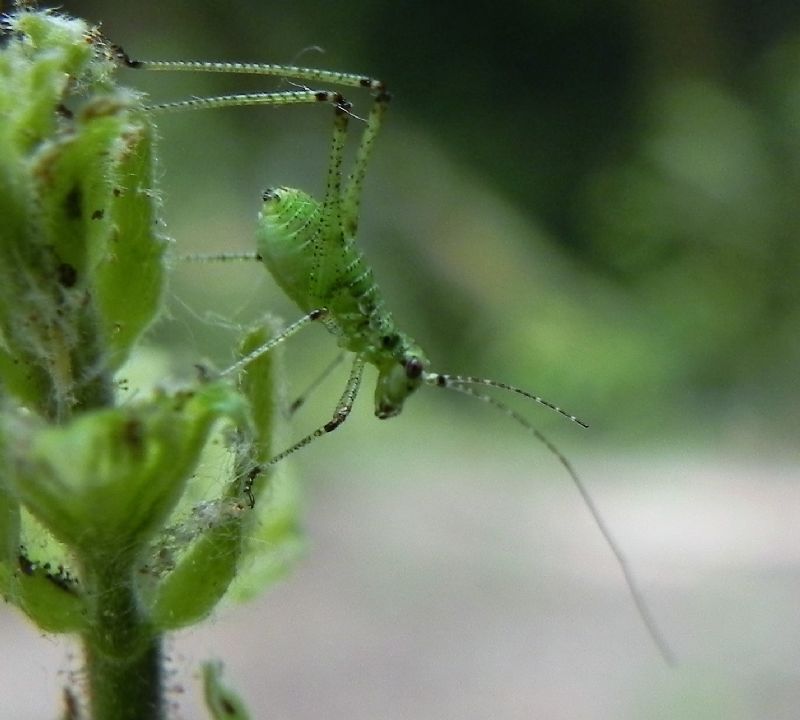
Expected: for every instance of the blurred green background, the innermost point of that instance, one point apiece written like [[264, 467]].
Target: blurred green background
[[598, 198], [594, 200]]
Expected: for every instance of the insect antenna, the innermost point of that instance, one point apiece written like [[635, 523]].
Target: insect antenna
[[457, 382], [461, 385]]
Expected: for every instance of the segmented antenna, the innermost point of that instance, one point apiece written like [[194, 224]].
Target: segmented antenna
[[459, 384], [459, 381]]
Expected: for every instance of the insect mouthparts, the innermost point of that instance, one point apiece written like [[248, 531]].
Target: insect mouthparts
[[270, 194], [387, 411]]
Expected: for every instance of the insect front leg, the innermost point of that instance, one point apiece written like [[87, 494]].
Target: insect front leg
[[273, 342]]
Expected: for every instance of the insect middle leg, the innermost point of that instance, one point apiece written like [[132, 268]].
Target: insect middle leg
[[285, 334]]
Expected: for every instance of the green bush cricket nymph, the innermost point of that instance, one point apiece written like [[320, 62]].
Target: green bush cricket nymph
[[309, 249]]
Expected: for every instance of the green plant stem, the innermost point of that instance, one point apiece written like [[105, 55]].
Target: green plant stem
[[123, 652]]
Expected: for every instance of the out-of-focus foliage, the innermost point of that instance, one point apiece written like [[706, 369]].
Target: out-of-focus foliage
[[100, 532], [595, 198]]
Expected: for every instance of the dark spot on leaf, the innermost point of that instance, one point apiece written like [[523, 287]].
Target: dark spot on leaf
[[73, 202], [67, 275], [64, 111], [133, 434]]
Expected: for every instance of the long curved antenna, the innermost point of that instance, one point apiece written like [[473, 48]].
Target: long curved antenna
[[456, 382], [638, 598]]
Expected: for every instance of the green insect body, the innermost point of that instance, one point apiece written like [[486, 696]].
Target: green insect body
[[309, 248], [318, 265]]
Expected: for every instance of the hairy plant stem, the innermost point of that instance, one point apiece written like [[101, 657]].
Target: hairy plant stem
[[122, 650]]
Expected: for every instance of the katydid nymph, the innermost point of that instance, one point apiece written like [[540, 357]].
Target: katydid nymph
[[309, 248]]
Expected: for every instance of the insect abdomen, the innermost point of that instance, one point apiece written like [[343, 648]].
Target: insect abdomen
[[287, 224], [317, 266]]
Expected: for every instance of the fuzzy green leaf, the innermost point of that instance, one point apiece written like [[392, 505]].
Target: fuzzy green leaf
[[273, 541], [237, 544], [80, 260], [52, 600], [106, 481]]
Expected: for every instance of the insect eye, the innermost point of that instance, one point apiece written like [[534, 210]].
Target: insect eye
[[413, 368]]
